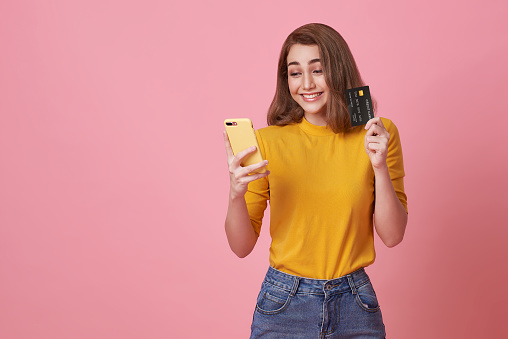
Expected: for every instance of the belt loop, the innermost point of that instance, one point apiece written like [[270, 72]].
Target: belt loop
[[295, 286], [351, 283]]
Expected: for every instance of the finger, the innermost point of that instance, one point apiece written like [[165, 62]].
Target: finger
[[239, 157], [229, 150], [253, 167], [372, 146], [257, 176], [369, 123], [376, 130], [380, 144], [371, 131], [374, 121], [374, 138]]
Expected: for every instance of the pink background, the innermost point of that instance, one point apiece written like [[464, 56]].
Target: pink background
[[113, 175]]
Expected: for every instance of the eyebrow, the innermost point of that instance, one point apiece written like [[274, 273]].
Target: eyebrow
[[310, 62]]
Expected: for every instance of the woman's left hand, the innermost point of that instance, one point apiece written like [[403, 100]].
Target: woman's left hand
[[376, 142]]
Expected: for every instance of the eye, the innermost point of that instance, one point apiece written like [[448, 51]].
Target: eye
[[318, 71], [294, 74]]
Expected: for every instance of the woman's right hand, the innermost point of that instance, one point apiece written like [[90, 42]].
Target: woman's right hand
[[239, 177]]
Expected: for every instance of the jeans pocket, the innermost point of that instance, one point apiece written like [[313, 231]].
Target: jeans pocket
[[366, 297], [272, 299]]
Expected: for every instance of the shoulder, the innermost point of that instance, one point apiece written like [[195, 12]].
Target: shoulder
[[389, 125]]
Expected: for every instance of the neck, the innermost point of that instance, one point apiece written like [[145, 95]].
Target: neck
[[316, 119]]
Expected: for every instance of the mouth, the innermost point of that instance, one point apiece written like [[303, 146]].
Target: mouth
[[311, 96]]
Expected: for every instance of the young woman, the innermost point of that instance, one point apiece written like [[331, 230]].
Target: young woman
[[327, 183]]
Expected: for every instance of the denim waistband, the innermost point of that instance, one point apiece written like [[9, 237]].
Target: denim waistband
[[296, 284]]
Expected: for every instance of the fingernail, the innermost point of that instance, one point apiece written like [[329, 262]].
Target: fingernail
[[253, 148]]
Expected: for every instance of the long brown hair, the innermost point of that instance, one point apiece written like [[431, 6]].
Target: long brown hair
[[339, 68]]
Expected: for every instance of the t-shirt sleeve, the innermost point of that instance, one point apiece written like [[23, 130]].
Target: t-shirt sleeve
[[395, 162], [258, 194]]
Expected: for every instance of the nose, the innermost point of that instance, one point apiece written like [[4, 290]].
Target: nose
[[308, 82]]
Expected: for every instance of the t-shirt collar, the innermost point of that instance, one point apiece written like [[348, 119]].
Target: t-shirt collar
[[309, 128]]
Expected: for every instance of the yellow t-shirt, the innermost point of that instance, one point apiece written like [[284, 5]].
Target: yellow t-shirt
[[321, 193]]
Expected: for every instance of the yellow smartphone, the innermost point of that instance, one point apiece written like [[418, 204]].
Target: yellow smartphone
[[241, 136]]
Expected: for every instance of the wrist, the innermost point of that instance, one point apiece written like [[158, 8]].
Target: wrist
[[380, 170], [235, 196]]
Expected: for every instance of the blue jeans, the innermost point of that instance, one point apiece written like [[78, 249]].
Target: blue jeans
[[293, 307]]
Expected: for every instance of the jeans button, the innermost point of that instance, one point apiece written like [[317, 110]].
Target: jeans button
[[328, 287]]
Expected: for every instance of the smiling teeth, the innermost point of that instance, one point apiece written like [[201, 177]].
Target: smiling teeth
[[311, 95]]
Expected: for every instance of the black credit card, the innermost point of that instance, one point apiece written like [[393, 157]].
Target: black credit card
[[359, 104]]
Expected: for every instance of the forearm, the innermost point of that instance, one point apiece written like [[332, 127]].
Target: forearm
[[241, 236], [390, 217]]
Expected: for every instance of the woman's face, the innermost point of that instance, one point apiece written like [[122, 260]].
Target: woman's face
[[307, 83]]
